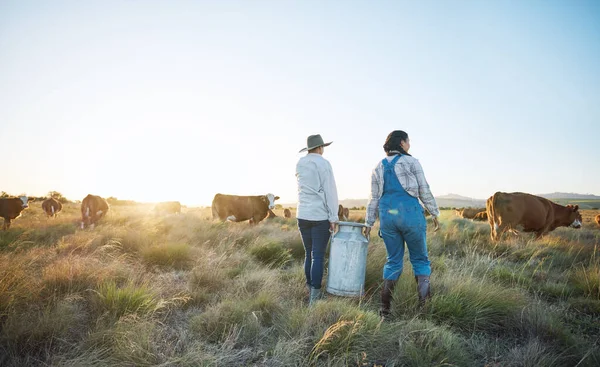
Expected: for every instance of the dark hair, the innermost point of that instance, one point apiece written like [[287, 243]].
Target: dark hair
[[392, 142]]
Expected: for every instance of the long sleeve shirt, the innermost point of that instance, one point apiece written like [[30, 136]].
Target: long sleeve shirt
[[317, 192], [411, 177]]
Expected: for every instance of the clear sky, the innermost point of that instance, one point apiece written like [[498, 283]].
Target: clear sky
[[179, 100]]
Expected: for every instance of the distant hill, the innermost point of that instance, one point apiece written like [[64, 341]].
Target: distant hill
[[569, 195], [460, 203], [454, 197]]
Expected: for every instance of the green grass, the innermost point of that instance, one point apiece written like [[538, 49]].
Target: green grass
[[115, 301], [184, 290]]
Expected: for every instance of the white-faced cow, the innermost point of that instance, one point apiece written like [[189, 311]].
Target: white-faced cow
[[93, 208], [11, 208], [529, 213], [51, 207], [241, 208], [168, 207]]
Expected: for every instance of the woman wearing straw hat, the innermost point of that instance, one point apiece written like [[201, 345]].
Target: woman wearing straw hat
[[317, 210], [397, 184]]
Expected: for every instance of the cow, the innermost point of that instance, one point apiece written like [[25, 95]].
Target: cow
[[470, 213], [51, 207], [287, 213], [343, 213], [458, 212], [11, 208], [93, 208], [242, 208], [481, 216], [168, 207], [598, 219], [529, 213]]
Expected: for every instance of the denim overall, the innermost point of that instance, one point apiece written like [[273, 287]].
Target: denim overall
[[402, 220]]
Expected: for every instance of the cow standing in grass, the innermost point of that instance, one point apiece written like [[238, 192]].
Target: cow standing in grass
[[11, 208], [481, 216], [93, 208], [242, 208], [51, 207], [529, 213], [287, 213], [598, 219], [343, 213], [470, 213]]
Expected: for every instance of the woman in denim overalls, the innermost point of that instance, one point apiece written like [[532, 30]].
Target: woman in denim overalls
[[401, 215]]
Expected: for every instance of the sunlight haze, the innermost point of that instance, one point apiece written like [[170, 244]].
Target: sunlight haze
[[180, 100]]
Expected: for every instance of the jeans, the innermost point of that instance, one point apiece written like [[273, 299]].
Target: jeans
[[315, 236], [402, 226]]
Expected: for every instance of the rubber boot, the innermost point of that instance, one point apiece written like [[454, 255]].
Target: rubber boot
[[315, 295], [386, 296], [423, 288]]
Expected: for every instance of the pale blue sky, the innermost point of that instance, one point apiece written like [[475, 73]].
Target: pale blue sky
[[179, 100]]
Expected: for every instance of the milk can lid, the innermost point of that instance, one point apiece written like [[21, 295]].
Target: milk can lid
[[352, 224]]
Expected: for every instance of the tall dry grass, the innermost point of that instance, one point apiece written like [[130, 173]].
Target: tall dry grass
[[183, 290]]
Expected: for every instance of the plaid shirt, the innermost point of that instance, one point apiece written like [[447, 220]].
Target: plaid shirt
[[411, 177]]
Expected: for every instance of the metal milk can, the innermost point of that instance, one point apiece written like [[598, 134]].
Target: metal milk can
[[347, 260]]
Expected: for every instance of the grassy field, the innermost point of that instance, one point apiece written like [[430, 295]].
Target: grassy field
[[182, 290]]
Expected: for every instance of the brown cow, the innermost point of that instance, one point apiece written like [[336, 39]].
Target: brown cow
[[241, 208], [530, 213], [470, 213], [168, 207], [287, 213], [93, 208], [11, 208], [598, 219], [343, 213], [51, 207], [481, 216]]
